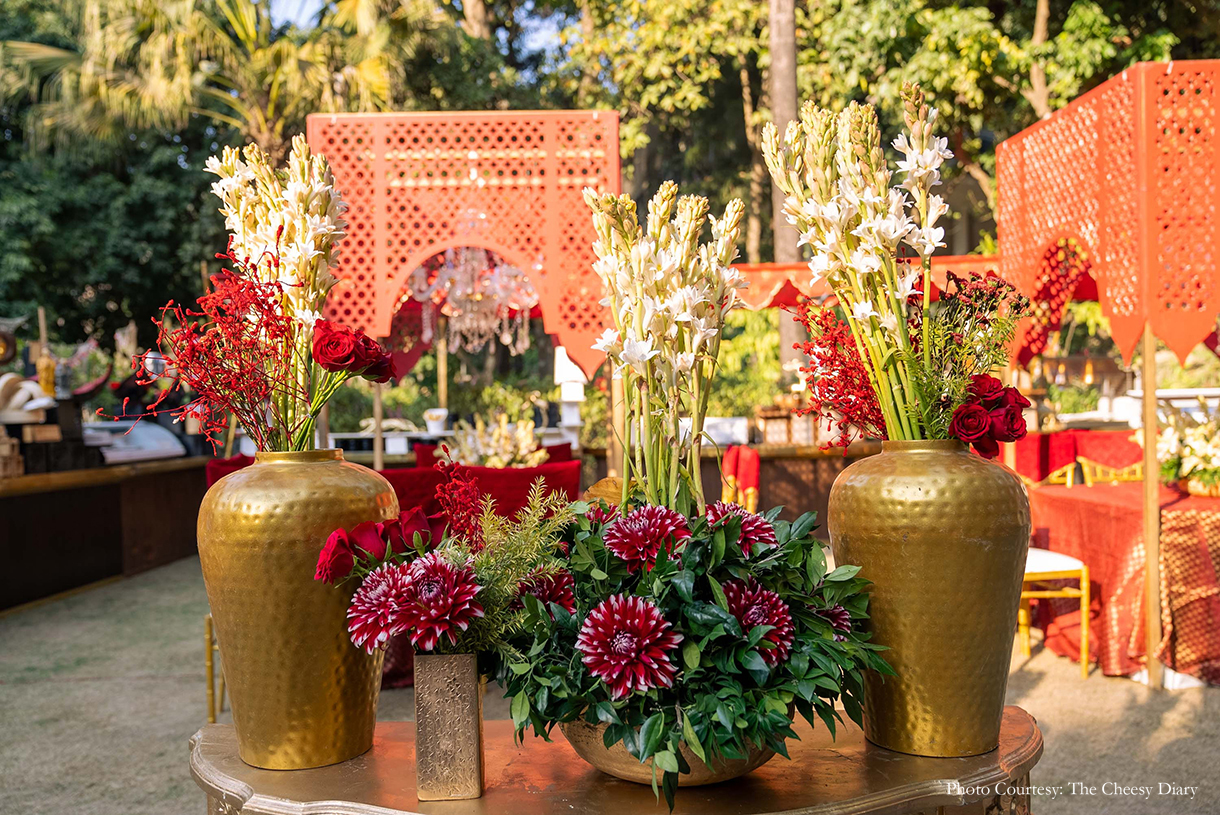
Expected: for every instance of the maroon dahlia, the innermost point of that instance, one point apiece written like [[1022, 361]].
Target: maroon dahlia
[[756, 531], [754, 605], [374, 615], [638, 537], [556, 587], [438, 601], [839, 619], [625, 642]]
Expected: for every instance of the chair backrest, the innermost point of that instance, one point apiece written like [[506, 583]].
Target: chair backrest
[[1098, 473], [425, 454], [749, 467], [728, 475], [218, 468]]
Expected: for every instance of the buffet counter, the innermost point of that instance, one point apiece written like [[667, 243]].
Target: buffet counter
[[63, 530]]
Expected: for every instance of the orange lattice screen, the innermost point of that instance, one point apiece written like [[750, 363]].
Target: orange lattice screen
[[1122, 184], [420, 183]]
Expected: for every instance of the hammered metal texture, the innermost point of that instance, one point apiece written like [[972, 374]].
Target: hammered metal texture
[[587, 740], [449, 727], [303, 695], [942, 534]]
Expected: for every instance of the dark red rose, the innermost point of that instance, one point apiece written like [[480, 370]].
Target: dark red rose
[[367, 350], [367, 538], [382, 370], [1007, 423], [970, 422], [987, 447], [1012, 396], [437, 524], [401, 531], [337, 558], [986, 388], [335, 347]]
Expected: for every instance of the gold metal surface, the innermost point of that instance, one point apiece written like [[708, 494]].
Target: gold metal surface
[[1194, 486], [942, 533], [825, 777], [586, 740], [302, 694], [449, 725]]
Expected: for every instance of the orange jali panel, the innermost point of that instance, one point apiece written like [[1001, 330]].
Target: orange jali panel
[[1122, 184], [420, 183]]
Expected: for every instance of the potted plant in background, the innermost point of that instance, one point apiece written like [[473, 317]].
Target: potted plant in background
[[453, 585], [1188, 449], [680, 639], [255, 348], [941, 532]]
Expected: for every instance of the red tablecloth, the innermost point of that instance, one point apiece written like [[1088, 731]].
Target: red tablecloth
[[1103, 527], [1039, 454]]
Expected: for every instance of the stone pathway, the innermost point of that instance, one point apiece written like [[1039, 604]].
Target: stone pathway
[[100, 691]]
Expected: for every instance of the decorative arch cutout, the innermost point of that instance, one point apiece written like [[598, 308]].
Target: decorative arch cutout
[[420, 183], [1063, 275]]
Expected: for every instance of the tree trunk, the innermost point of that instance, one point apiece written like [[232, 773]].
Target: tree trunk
[[588, 78], [1038, 93], [476, 24], [783, 111], [758, 169]]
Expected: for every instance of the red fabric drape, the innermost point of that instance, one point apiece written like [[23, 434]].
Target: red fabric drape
[[218, 468]]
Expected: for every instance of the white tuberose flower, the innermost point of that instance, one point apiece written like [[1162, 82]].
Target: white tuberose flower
[[636, 352], [862, 311], [608, 342]]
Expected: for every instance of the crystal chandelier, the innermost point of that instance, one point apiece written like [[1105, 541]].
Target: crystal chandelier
[[483, 298]]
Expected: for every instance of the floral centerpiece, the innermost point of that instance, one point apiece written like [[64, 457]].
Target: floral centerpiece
[[504, 444], [454, 585], [926, 519], [255, 348], [681, 639], [894, 366], [1188, 450]]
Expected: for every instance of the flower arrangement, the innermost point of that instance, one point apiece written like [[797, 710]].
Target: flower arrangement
[[896, 367], [505, 444], [676, 625], [668, 295], [452, 583], [707, 633], [1188, 449], [255, 347]]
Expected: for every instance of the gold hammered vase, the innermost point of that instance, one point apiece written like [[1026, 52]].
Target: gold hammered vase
[[448, 727], [587, 740], [303, 696], [942, 534]]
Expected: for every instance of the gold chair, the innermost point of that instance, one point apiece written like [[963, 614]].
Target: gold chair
[[1096, 472], [1065, 475], [210, 653], [1043, 565]]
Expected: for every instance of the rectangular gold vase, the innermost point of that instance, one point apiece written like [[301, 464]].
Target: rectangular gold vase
[[449, 728]]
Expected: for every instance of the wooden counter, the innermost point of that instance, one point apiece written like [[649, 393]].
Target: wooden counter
[[59, 531]]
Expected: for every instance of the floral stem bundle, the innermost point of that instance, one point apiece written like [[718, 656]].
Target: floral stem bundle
[[918, 360], [256, 347], [668, 296]]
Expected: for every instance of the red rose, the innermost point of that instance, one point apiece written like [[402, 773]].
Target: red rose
[[337, 558], [382, 370], [987, 447], [986, 388], [400, 532], [1012, 396], [367, 538], [970, 422], [335, 347], [1007, 423], [367, 350]]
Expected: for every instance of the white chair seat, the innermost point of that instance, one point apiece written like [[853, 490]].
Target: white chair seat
[[1040, 561]]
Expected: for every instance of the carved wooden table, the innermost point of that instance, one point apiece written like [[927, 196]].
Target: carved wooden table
[[824, 777]]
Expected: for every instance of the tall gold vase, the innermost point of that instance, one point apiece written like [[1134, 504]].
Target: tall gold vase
[[942, 533], [303, 696]]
